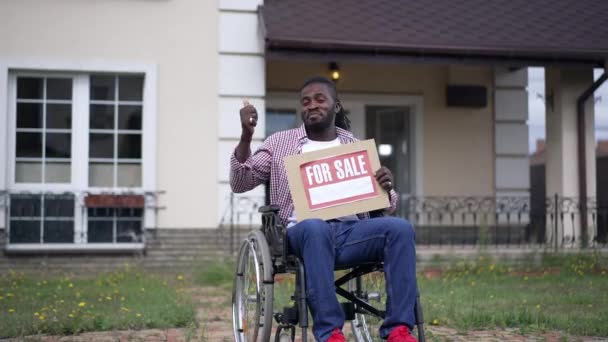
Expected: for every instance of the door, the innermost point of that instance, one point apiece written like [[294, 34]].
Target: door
[[390, 127]]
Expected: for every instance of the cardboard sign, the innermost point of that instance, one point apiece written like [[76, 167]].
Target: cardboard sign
[[336, 181]]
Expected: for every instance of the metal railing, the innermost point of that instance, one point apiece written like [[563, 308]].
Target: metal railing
[[471, 221]]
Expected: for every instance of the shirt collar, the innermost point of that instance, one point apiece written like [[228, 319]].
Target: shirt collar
[[344, 135]]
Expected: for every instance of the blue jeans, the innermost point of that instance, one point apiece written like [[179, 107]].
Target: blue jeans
[[323, 245]]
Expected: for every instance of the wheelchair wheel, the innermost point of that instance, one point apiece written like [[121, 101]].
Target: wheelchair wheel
[[252, 292], [372, 289]]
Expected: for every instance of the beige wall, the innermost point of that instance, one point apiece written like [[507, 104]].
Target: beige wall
[[458, 144], [181, 38]]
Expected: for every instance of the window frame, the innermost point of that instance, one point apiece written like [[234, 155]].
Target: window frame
[[80, 72]]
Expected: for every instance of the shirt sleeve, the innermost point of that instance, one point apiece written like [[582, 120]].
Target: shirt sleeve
[[394, 198], [253, 172]]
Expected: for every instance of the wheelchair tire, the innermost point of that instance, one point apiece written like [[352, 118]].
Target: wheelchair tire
[[371, 288], [252, 293]]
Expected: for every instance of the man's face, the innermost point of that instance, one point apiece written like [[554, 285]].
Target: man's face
[[318, 108]]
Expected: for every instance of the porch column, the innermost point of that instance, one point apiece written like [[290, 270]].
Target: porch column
[[563, 88], [241, 75]]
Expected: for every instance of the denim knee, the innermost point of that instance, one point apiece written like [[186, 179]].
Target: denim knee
[[401, 229]]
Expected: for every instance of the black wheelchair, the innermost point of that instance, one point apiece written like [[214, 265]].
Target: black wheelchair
[[263, 254]]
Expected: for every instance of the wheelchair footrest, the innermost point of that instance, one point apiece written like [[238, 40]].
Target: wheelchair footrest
[[349, 310]]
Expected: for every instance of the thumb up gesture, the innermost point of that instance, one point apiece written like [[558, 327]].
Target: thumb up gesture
[[249, 119]]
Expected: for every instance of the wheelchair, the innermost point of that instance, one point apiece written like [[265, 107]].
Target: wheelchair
[[263, 254]]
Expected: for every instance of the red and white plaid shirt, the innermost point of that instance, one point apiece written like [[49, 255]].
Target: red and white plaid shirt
[[267, 163]]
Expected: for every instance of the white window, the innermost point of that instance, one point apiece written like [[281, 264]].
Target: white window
[[71, 136]]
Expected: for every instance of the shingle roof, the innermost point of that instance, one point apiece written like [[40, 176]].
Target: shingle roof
[[574, 30]]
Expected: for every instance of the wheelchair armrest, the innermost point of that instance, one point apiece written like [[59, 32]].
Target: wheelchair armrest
[[272, 208]]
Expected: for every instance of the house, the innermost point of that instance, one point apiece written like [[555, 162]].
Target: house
[[120, 117]]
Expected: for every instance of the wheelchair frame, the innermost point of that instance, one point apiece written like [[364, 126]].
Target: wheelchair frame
[[267, 248]]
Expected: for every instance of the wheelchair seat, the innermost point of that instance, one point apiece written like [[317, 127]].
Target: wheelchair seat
[[264, 254]]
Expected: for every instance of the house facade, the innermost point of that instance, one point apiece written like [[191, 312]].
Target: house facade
[[120, 117]]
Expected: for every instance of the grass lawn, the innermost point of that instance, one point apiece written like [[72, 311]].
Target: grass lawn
[[126, 299], [567, 293]]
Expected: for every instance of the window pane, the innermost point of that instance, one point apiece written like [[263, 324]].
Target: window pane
[[29, 115], [101, 174], [100, 231], [129, 117], [101, 117], [59, 88], [25, 205], [130, 213], [29, 87], [28, 172], [58, 145], [101, 212], [58, 231], [58, 115], [101, 145], [102, 87], [57, 172], [129, 175], [129, 146], [130, 88], [280, 120], [128, 231], [58, 206], [24, 231], [29, 144]]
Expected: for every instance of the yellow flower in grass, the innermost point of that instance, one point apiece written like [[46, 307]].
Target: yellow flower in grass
[[180, 277], [10, 295], [138, 314], [71, 315], [1, 298], [70, 285], [36, 314], [82, 304], [42, 317], [108, 298], [124, 309], [435, 322], [538, 306], [11, 310]]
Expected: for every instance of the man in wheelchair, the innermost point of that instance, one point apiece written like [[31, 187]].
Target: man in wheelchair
[[324, 245]]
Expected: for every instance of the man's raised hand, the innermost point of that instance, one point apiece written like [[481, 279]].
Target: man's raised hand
[[249, 119]]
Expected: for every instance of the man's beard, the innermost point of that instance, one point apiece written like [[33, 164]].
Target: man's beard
[[321, 125]]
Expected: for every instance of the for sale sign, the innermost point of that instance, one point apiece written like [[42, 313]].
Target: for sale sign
[[335, 182]]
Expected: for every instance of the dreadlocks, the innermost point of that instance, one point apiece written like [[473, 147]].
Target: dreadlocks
[[341, 120]]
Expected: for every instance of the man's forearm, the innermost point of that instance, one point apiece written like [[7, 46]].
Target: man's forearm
[[243, 149]]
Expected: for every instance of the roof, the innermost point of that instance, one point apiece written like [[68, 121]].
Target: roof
[[541, 30]]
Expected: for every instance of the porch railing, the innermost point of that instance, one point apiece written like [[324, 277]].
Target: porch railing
[[472, 221]]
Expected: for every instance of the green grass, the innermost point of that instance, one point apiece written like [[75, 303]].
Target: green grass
[[62, 305], [218, 273], [567, 293]]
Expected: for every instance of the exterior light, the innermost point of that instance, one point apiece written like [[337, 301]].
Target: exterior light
[[385, 150], [334, 71]]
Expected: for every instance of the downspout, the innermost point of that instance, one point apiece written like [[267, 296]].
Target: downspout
[[582, 155]]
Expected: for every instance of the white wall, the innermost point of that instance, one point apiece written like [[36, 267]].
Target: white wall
[[181, 39], [241, 75]]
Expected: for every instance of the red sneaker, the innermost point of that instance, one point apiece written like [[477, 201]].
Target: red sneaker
[[336, 336], [401, 334]]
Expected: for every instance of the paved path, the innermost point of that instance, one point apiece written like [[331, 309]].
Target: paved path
[[214, 317]]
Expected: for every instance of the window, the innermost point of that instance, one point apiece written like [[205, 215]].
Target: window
[[41, 219], [44, 130], [279, 120], [72, 135], [115, 131]]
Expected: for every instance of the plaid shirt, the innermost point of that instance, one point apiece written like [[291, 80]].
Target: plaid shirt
[[267, 163]]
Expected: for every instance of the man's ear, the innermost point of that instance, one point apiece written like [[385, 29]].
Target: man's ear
[[337, 106]]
